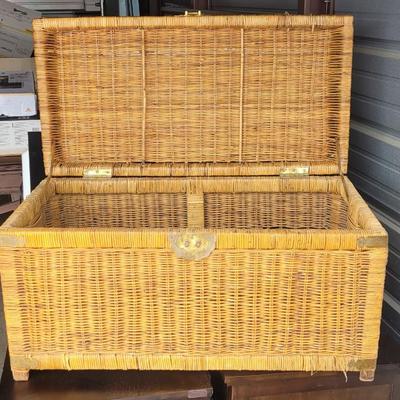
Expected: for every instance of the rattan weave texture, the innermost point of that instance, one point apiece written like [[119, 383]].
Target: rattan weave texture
[[147, 210]]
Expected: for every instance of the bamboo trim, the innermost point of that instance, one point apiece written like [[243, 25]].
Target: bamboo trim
[[14, 320], [245, 21], [144, 97], [158, 240], [372, 242], [339, 161], [195, 169], [124, 361], [345, 82], [195, 209], [241, 94], [374, 298]]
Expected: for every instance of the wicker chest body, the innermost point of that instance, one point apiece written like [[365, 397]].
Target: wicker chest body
[[197, 214]]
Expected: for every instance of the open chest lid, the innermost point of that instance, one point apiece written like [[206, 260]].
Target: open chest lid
[[187, 96]]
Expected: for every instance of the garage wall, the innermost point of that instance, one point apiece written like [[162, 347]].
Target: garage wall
[[234, 6], [257, 5], [374, 164]]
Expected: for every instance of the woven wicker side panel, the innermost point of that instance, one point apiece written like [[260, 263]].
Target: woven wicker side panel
[[274, 92], [221, 211], [275, 210], [149, 302], [146, 210]]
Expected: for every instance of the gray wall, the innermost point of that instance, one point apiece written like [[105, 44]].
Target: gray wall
[[374, 164], [257, 5]]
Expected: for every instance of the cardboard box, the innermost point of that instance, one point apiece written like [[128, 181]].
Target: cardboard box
[[18, 105], [92, 5], [17, 17], [18, 65], [16, 30], [14, 135], [16, 82], [14, 43], [17, 94], [52, 5]]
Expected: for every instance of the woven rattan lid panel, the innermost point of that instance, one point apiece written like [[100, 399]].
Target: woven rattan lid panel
[[224, 95]]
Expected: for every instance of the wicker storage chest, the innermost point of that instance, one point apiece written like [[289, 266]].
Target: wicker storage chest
[[197, 214]]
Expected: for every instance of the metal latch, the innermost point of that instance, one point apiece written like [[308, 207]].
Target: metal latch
[[192, 246], [294, 171], [97, 172]]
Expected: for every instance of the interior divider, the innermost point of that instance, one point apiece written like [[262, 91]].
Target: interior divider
[[195, 210]]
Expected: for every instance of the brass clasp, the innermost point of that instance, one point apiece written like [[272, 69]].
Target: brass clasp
[[192, 246]]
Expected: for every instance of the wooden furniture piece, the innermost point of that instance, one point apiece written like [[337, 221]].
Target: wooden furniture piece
[[36, 158], [319, 386], [196, 213], [154, 7], [108, 385], [10, 182], [200, 4], [316, 7]]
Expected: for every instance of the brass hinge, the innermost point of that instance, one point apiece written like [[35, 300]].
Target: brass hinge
[[294, 171], [193, 13], [97, 172]]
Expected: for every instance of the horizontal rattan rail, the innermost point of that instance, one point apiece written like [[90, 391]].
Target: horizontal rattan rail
[[241, 21]]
